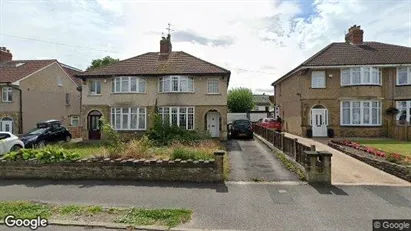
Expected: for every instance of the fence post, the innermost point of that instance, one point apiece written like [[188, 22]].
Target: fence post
[[313, 148], [265, 133], [273, 135], [282, 141], [295, 148]]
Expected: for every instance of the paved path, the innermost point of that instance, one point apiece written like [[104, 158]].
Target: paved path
[[251, 160], [236, 206], [347, 170]]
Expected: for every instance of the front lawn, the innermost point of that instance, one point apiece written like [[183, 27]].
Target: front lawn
[[388, 145], [130, 216]]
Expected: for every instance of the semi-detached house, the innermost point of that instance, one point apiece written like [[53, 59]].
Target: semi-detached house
[[349, 88], [186, 90]]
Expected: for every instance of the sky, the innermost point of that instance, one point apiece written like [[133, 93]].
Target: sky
[[258, 41]]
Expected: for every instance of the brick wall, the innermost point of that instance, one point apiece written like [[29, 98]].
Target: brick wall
[[75, 131], [118, 169]]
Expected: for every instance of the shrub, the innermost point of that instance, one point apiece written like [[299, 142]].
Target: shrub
[[47, 155], [185, 154], [163, 133], [111, 137], [138, 148]]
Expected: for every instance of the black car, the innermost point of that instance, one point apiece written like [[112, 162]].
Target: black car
[[46, 132], [242, 128]]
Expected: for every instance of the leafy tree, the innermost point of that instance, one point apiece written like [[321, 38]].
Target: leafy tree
[[240, 100], [102, 62]]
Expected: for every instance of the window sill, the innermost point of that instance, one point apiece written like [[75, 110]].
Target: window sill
[[359, 125], [7, 101], [318, 88], [179, 92], [123, 93], [133, 130], [91, 95], [213, 94], [403, 85], [363, 85]]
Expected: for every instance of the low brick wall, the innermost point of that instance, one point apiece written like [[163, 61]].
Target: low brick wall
[[75, 131], [401, 171], [118, 169]]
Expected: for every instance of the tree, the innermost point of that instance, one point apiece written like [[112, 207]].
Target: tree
[[240, 100], [102, 62]]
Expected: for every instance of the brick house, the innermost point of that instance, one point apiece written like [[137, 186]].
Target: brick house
[[36, 90], [348, 87], [190, 92]]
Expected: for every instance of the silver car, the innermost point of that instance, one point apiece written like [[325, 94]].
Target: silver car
[[9, 143]]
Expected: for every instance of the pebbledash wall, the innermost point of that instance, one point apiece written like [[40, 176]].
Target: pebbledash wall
[[118, 169]]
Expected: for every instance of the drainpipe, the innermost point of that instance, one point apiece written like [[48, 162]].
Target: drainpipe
[[20, 128]]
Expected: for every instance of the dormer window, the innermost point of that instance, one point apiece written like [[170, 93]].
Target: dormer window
[[361, 76]]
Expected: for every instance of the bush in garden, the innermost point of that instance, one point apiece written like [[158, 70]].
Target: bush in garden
[[47, 155], [162, 133], [111, 138]]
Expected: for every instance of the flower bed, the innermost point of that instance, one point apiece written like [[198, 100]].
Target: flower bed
[[392, 157]]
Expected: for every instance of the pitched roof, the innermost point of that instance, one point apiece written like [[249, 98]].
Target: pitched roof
[[72, 72], [367, 53], [261, 99], [15, 70], [151, 63]]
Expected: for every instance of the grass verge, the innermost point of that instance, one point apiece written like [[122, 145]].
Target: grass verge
[[130, 216]]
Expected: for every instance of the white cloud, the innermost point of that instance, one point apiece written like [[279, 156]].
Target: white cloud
[[264, 39]]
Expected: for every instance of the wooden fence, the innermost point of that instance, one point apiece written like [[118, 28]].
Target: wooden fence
[[289, 146]]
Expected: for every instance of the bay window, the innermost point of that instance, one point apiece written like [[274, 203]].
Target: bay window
[[361, 113], [178, 116], [128, 84], [404, 115], [404, 76], [176, 84], [361, 76], [128, 118]]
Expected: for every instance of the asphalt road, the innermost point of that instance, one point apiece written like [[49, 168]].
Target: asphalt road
[[236, 206], [250, 160]]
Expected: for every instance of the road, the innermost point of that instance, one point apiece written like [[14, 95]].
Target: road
[[250, 160], [234, 205]]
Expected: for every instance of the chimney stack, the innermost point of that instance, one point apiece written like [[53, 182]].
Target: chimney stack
[[355, 35], [165, 45], [5, 55]]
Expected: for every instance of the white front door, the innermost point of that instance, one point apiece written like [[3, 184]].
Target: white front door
[[213, 123], [319, 122], [7, 126]]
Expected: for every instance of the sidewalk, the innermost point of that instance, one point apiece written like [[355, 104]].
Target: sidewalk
[[347, 170]]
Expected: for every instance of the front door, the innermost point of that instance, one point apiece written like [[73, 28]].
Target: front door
[[7, 126], [94, 127], [213, 123], [319, 122]]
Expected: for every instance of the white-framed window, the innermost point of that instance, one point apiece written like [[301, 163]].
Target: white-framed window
[[75, 120], [318, 79], [361, 76], [95, 87], [176, 84], [212, 86], [7, 94], [404, 115], [403, 76], [361, 113], [128, 84], [128, 118], [179, 116], [59, 81]]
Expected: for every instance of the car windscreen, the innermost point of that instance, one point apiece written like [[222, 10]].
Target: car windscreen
[[37, 131], [242, 122]]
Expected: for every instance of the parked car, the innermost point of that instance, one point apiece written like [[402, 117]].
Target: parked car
[[269, 123], [9, 143], [46, 132], [242, 128]]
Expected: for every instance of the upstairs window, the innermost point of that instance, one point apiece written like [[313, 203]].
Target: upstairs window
[[404, 76], [318, 79], [95, 87], [361, 76], [176, 84], [212, 86], [128, 84], [59, 81], [7, 94]]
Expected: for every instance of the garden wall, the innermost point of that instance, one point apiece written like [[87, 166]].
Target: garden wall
[[401, 171], [399, 132], [118, 169]]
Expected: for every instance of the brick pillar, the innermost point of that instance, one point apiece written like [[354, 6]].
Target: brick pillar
[[219, 161], [318, 167], [313, 148]]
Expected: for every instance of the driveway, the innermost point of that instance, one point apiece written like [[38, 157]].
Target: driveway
[[251, 160]]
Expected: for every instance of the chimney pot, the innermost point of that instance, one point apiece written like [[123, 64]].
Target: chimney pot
[[5, 55], [165, 45], [355, 35]]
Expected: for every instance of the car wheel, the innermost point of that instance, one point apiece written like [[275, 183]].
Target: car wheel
[[68, 138], [15, 148], [41, 144]]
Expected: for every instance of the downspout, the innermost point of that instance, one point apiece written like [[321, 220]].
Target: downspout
[[20, 107]]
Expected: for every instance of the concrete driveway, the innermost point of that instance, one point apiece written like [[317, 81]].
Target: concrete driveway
[[251, 160]]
